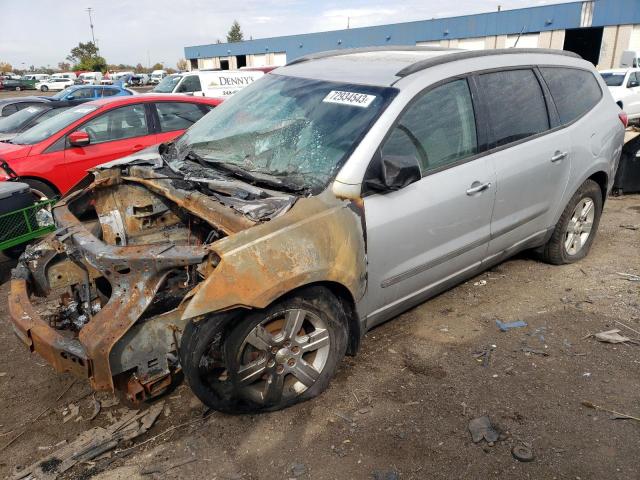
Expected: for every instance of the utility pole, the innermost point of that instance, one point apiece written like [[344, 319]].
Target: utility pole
[[93, 38], [348, 22]]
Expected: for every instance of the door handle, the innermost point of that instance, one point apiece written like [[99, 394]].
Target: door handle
[[558, 156], [477, 187], [135, 148]]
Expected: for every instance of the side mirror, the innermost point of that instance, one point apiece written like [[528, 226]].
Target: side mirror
[[392, 172], [71, 97], [79, 139], [633, 84]]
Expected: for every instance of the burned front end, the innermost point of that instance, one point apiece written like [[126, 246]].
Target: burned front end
[[101, 296], [142, 250]]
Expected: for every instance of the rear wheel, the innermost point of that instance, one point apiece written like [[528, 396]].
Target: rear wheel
[[18, 89], [40, 190], [575, 231], [268, 359], [44, 88]]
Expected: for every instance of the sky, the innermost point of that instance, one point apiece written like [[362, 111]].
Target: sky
[[41, 33]]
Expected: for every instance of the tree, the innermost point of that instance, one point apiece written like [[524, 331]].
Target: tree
[[64, 66], [82, 52], [157, 66], [235, 34], [139, 68], [5, 67], [182, 64]]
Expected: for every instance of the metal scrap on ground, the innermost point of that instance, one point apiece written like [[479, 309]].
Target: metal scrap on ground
[[92, 443]]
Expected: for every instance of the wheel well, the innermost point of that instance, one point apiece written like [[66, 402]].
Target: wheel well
[[46, 182], [602, 180], [343, 294]]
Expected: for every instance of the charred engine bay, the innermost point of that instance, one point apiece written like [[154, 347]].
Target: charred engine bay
[[140, 206]]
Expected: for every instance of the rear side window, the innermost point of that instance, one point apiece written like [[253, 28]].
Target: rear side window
[[516, 105], [9, 109], [109, 92], [190, 84], [177, 115], [574, 91]]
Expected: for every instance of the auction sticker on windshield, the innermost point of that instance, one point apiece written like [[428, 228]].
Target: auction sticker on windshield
[[349, 98]]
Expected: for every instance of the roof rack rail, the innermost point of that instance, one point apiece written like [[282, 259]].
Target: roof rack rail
[[349, 51], [467, 54]]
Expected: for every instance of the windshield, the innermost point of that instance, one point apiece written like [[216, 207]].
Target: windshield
[[613, 79], [52, 125], [167, 84], [63, 93], [296, 129], [15, 122]]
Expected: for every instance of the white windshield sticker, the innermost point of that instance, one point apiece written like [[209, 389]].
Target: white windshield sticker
[[349, 98], [31, 109]]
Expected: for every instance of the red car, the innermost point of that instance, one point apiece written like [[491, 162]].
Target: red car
[[55, 154]]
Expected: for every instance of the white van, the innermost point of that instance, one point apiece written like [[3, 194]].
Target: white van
[[38, 77], [630, 59], [90, 78], [69, 75], [218, 83], [157, 76]]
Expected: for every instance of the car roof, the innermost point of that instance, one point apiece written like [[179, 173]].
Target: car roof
[[30, 99], [126, 100], [383, 66]]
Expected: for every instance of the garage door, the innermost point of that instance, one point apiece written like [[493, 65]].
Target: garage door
[[472, 43], [279, 58], [529, 40]]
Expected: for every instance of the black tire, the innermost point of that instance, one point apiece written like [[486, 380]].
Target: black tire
[[41, 191], [554, 251], [44, 88], [18, 89], [211, 347]]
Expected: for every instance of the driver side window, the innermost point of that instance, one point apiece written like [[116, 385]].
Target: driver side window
[[438, 129], [117, 124]]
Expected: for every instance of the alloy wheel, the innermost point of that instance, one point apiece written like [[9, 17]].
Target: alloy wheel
[[579, 226]]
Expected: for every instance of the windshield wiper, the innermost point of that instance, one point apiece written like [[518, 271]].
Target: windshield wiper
[[254, 178]]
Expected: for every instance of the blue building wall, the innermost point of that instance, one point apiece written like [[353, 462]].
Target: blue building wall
[[534, 19]]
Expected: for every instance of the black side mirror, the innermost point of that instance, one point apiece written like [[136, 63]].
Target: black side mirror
[[633, 84], [392, 172]]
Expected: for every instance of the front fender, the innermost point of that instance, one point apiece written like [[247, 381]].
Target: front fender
[[320, 239]]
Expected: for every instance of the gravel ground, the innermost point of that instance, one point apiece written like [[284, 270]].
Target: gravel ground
[[401, 408]]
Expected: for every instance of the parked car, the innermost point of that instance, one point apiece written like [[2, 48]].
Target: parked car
[[17, 84], [157, 76], [90, 78], [624, 85], [55, 154], [256, 250], [26, 118], [9, 106], [217, 83], [54, 83], [84, 93], [139, 79]]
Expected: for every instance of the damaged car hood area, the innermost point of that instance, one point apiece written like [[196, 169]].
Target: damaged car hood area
[[144, 248]]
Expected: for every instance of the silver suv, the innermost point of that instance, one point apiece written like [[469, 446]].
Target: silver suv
[[329, 196]]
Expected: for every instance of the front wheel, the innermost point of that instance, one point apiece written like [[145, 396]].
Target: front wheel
[[268, 359], [575, 231], [44, 88], [18, 89]]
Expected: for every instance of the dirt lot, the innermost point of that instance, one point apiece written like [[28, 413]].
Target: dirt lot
[[400, 409]]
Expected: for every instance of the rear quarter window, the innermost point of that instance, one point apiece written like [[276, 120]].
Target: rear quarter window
[[574, 91]]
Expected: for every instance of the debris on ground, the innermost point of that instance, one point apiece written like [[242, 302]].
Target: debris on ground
[[385, 475], [630, 227], [523, 453], [612, 336], [618, 415], [504, 326], [298, 469], [630, 276], [535, 351], [483, 356], [164, 467], [92, 443], [481, 428], [96, 408], [480, 283], [70, 412]]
